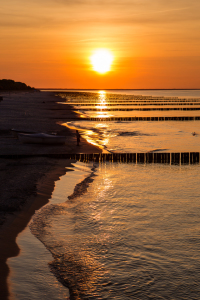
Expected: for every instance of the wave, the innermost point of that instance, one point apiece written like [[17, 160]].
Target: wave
[[74, 268], [133, 133], [81, 188]]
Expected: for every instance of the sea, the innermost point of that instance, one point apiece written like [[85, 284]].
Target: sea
[[127, 230]]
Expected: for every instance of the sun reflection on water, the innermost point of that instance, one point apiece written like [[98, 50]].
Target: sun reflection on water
[[98, 135], [102, 100], [103, 105], [102, 96]]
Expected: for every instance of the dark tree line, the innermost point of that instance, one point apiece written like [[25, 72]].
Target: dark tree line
[[11, 85]]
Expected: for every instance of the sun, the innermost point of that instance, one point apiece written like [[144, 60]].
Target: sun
[[101, 60]]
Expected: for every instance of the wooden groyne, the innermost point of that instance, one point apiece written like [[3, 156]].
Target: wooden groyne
[[180, 118], [136, 100], [134, 104], [141, 109], [177, 158]]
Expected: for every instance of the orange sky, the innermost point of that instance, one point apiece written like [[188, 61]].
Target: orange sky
[[47, 44]]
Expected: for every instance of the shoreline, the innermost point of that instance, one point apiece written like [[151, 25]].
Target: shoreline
[[28, 183], [19, 222]]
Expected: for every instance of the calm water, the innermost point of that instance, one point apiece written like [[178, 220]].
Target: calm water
[[162, 93], [142, 136], [134, 234], [129, 231]]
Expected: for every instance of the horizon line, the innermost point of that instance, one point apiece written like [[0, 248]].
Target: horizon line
[[165, 89]]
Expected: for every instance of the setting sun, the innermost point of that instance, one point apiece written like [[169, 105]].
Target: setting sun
[[101, 60]]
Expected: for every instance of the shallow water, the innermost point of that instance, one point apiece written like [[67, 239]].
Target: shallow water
[[138, 136], [30, 276], [142, 136], [133, 235], [157, 93], [128, 231]]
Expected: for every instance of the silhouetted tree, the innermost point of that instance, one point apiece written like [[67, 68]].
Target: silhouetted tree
[[11, 85]]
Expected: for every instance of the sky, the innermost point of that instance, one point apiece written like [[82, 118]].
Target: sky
[[48, 43]]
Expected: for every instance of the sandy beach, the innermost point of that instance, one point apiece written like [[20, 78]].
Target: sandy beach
[[27, 183]]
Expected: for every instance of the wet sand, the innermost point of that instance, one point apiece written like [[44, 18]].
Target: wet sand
[[27, 183]]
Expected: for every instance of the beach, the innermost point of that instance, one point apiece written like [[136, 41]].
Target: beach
[[135, 232], [27, 181], [120, 228]]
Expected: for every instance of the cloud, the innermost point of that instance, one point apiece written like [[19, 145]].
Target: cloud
[[64, 13], [131, 4], [25, 22]]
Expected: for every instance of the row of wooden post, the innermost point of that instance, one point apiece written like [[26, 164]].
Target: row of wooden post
[[133, 104], [166, 158], [142, 119], [143, 109]]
